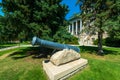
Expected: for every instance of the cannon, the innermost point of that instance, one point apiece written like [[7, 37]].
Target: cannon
[[53, 45]]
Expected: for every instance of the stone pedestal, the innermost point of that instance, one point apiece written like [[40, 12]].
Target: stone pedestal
[[63, 71]]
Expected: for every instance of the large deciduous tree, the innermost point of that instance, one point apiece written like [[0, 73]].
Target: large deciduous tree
[[34, 17], [97, 13]]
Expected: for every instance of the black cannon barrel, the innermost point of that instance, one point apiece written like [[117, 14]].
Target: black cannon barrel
[[53, 45]]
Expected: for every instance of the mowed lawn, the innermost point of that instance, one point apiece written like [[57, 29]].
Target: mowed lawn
[[21, 65], [105, 67], [8, 45]]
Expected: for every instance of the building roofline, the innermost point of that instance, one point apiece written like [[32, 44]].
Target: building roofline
[[77, 16]]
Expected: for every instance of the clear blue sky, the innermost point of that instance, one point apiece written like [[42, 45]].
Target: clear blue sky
[[0, 10], [71, 5]]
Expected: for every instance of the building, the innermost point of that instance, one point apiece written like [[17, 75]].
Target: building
[[84, 38], [75, 26]]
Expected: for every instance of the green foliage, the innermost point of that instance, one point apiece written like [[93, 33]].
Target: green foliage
[[113, 29], [74, 40], [114, 42], [109, 41], [26, 18], [95, 42], [97, 13], [63, 36]]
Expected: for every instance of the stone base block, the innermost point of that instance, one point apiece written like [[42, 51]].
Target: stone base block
[[63, 71]]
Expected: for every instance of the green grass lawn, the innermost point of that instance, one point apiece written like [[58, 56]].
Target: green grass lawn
[[6, 51], [105, 67], [14, 44], [21, 65], [7, 45]]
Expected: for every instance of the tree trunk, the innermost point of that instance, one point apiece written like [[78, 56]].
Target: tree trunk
[[100, 51]]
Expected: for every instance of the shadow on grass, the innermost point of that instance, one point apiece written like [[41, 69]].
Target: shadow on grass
[[35, 52], [93, 49], [41, 52]]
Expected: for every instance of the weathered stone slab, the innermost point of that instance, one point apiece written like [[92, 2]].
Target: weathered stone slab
[[63, 71], [64, 56]]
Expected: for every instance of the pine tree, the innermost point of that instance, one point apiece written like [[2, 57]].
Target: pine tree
[[99, 12], [30, 18]]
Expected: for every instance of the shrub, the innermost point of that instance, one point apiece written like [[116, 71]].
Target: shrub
[[63, 36], [112, 42], [95, 42]]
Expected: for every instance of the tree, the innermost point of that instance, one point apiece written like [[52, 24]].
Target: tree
[[67, 38], [8, 32], [40, 18], [99, 12], [114, 32]]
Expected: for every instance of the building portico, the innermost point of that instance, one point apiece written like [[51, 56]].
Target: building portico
[[77, 29], [75, 26]]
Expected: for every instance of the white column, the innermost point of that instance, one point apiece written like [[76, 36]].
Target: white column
[[72, 28], [80, 25], [69, 28], [76, 28]]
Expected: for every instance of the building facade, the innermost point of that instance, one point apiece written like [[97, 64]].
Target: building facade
[[75, 27], [84, 38]]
